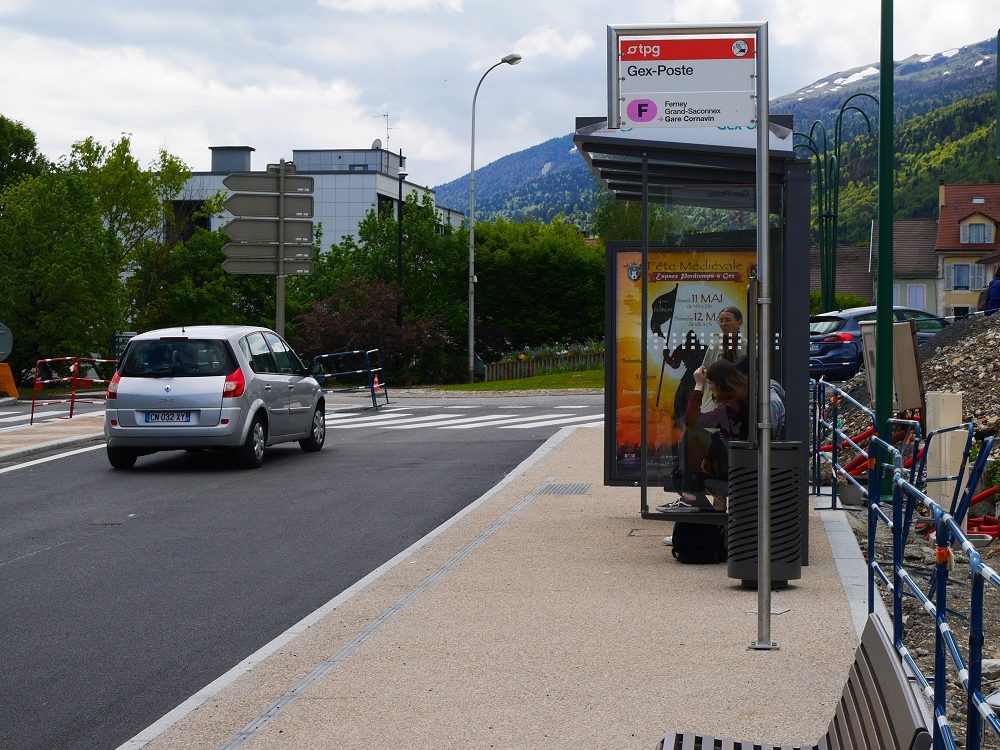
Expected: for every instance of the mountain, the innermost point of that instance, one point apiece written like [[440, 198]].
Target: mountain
[[552, 179]]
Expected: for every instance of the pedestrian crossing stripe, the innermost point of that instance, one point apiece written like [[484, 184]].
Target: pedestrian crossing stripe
[[404, 420]]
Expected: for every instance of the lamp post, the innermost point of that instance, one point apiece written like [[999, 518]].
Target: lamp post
[[511, 59], [399, 245], [827, 165]]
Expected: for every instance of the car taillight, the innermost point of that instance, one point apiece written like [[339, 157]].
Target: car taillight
[[112, 393], [837, 338], [235, 384]]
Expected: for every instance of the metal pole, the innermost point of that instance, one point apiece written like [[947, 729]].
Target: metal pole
[[472, 233], [279, 297], [399, 246], [644, 343], [886, 174], [764, 348], [511, 59]]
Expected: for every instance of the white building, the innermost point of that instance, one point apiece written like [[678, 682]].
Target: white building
[[348, 183]]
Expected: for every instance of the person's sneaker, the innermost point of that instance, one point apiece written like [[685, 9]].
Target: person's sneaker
[[678, 504]]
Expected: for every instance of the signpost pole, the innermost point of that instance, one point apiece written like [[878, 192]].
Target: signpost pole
[[764, 347], [279, 291]]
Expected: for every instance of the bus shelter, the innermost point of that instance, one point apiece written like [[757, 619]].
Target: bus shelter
[[667, 289]]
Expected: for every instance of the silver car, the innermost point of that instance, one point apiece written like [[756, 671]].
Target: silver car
[[237, 387]]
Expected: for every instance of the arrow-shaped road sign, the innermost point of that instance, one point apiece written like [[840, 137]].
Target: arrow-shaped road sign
[[260, 182], [249, 250], [255, 204], [266, 230], [265, 266]]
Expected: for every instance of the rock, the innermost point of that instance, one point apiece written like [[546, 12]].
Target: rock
[[991, 669]]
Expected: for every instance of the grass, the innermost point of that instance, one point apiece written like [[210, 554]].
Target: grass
[[576, 379]]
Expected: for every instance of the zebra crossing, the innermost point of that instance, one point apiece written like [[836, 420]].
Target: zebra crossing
[[457, 418]]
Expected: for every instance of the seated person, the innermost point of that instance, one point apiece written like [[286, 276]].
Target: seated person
[[704, 446]]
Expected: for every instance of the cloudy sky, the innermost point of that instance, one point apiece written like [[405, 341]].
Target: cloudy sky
[[186, 75]]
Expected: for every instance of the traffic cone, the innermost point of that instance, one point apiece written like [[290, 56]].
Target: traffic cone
[[378, 386]]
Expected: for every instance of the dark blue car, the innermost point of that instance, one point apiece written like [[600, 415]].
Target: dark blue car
[[835, 338]]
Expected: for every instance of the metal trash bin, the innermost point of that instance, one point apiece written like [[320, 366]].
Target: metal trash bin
[[787, 491]]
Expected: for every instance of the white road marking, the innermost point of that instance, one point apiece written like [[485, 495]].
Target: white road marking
[[387, 421], [505, 420], [449, 421], [37, 461], [544, 423]]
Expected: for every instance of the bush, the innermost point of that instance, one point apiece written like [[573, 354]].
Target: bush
[[553, 351], [361, 315]]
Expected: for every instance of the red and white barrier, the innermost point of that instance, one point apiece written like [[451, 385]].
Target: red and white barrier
[[73, 379]]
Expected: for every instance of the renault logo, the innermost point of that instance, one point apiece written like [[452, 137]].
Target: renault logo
[[166, 389]]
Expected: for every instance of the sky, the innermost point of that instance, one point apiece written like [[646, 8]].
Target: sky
[[324, 74]]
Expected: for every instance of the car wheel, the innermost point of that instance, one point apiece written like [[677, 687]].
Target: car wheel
[[252, 451], [122, 458], [317, 432]]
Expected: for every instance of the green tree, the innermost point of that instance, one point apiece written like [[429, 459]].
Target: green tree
[[59, 290], [185, 285], [134, 202], [19, 156], [537, 284]]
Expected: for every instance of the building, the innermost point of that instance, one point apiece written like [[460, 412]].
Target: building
[[916, 273], [348, 183], [967, 230]]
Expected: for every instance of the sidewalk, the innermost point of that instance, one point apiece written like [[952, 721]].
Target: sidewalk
[[547, 615]]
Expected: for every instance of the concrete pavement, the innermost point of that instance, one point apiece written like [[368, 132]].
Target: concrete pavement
[[548, 614]]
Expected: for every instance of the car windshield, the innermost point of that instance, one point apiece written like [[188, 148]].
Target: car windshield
[[177, 358], [828, 324]]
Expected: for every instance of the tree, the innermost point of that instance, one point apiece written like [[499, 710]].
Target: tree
[[19, 156], [134, 202], [538, 284], [59, 290], [185, 285], [360, 315]]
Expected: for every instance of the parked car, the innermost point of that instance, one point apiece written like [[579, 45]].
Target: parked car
[[835, 338], [235, 387]]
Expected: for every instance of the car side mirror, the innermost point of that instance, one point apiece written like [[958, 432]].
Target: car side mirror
[[316, 370]]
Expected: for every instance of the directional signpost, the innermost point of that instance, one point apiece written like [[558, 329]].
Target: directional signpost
[[273, 229]]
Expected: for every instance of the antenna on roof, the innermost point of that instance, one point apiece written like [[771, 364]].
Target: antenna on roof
[[387, 128]]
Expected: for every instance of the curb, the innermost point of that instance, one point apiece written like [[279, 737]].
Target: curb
[[70, 442]]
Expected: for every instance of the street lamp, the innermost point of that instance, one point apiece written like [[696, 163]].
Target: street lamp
[[511, 59], [399, 245]]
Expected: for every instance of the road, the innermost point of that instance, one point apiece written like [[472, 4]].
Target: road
[[125, 592]]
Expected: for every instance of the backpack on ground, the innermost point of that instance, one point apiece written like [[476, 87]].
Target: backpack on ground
[[699, 543]]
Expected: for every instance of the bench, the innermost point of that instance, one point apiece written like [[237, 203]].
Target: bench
[[878, 709]]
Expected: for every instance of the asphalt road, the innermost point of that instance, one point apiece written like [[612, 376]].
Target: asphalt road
[[125, 592]]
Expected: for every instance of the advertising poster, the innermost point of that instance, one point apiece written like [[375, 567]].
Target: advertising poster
[[687, 289]]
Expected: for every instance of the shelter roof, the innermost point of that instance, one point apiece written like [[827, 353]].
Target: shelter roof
[[685, 166]]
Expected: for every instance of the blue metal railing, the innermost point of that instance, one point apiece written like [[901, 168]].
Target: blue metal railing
[[885, 464], [370, 372]]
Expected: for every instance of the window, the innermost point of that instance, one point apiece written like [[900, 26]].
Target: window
[[895, 294], [288, 363], [256, 351], [959, 276], [977, 233], [916, 296], [923, 321]]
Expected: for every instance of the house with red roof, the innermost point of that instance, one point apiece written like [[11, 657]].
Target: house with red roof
[[968, 216]]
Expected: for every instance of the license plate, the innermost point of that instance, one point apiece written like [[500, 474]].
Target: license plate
[[168, 416]]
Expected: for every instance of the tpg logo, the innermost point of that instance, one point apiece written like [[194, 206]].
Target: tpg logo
[[633, 51]]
